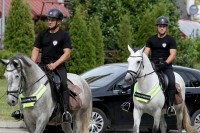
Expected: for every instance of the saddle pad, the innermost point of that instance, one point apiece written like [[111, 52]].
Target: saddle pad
[[178, 95], [75, 102]]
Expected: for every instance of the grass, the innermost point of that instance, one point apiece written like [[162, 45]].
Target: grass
[[5, 109]]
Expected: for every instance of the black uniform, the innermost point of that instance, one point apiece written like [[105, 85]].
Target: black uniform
[[52, 45], [160, 50]]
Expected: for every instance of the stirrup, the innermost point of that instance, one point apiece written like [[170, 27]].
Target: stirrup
[[17, 115], [66, 117], [171, 111], [126, 106]]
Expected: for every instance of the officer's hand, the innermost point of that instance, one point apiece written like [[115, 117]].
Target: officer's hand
[[51, 66], [163, 65]]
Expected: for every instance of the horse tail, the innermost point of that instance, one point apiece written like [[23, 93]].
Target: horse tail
[[86, 119], [187, 122]]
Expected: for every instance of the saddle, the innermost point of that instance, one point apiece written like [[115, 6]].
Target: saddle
[[164, 81], [74, 99]]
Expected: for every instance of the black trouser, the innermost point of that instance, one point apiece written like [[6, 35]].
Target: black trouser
[[62, 72], [171, 86], [170, 74]]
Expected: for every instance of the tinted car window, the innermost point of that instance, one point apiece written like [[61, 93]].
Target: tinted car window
[[104, 75], [189, 79]]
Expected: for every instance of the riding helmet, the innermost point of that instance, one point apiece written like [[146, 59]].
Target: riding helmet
[[162, 20], [55, 13]]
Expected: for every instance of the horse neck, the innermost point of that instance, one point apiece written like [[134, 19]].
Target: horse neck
[[32, 75], [147, 82]]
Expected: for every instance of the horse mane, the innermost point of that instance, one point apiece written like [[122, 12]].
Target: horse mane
[[23, 58]]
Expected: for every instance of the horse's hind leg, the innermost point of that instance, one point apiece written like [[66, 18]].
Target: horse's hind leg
[[179, 117], [137, 119], [67, 127], [157, 117]]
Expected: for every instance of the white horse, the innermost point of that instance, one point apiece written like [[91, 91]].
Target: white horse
[[27, 78], [148, 96]]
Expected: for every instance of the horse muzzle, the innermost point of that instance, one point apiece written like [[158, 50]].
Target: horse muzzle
[[12, 100], [129, 79]]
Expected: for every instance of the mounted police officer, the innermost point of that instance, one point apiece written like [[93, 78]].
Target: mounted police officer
[[163, 51], [55, 47]]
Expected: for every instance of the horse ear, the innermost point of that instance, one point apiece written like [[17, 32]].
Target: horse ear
[[130, 49], [4, 62], [143, 49]]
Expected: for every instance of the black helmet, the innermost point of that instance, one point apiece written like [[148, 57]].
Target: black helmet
[[162, 20], [55, 13]]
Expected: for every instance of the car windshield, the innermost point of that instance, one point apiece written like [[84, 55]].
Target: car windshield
[[101, 76]]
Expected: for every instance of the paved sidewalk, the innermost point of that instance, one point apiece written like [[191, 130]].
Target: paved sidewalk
[[12, 124]]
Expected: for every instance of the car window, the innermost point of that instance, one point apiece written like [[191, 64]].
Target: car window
[[189, 78], [101, 76]]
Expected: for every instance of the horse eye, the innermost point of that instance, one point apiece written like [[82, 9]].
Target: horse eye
[[138, 62], [17, 76]]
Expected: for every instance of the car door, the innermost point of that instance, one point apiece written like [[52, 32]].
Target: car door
[[123, 119], [192, 84]]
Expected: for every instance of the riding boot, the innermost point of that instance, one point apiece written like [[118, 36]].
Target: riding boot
[[171, 110], [66, 115], [17, 115]]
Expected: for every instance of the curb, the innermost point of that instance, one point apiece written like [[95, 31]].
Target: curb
[[11, 124]]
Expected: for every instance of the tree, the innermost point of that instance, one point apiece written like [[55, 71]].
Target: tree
[[83, 52], [125, 37], [97, 41], [19, 31]]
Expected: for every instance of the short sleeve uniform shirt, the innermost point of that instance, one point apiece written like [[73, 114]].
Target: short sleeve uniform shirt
[[52, 44], [160, 47]]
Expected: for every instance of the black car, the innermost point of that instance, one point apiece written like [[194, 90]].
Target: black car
[[106, 83]]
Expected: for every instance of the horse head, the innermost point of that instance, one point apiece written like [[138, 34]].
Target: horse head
[[137, 62], [14, 75]]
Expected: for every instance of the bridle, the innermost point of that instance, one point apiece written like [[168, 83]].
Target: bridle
[[22, 79], [137, 73]]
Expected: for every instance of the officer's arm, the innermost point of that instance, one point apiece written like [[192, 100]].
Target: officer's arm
[[35, 54], [147, 51], [172, 56], [64, 57]]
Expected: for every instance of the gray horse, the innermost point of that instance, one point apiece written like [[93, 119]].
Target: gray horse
[[25, 78]]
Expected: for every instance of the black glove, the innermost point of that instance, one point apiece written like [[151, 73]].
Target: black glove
[[162, 65]]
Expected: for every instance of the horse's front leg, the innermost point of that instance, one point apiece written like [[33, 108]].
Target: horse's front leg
[[41, 123], [156, 123], [163, 124], [137, 114]]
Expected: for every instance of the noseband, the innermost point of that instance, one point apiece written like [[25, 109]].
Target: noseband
[[139, 70], [22, 78]]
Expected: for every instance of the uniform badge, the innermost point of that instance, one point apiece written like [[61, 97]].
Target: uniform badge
[[55, 43], [164, 45]]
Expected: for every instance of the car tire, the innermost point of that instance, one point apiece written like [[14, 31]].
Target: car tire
[[195, 119], [98, 122]]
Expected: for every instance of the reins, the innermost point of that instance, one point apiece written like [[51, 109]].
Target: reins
[[22, 78]]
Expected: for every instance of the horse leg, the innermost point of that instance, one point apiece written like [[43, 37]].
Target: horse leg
[[163, 124], [179, 117], [41, 124], [66, 127], [137, 114], [156, 123]]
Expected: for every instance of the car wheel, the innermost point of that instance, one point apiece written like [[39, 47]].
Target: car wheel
[[98, 122], [196, 120]]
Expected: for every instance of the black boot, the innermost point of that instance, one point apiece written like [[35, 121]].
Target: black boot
[[17, 115], [171, 110], [66, 115], [128, 106]]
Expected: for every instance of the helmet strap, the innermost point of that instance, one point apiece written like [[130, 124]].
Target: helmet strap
[[56, 25]]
